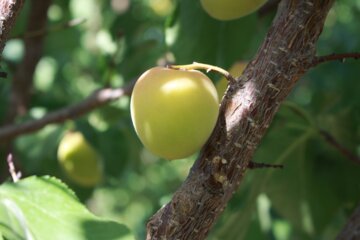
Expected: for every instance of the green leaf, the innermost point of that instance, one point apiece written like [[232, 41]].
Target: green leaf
[[195, 36], [287, 190], [316, 183], [45, 208]]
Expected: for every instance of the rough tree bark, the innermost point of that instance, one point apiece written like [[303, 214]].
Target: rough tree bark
[[245, 114], [9, 10]]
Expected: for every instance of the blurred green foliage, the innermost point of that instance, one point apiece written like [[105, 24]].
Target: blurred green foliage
[[310, 199]]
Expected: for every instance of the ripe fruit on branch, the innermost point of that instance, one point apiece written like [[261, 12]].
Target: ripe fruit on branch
[[79, 160], [236, 70], [174, 111], [230, 9]]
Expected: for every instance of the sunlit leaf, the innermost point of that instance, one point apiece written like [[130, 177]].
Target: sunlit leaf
[[45, 208]]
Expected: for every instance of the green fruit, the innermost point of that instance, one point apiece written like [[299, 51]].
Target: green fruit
[[79, 160], [235, 71], [174, 111], [161, 7], [230, 9]]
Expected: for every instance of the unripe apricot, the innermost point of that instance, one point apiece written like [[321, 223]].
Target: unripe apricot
[[230, 9], [174, 111], [79, 160], [235, 70]]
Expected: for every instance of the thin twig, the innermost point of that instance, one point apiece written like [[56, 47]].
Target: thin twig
[[343, 150], [12, 170], [44, 31], [334, 57], [95, 100]]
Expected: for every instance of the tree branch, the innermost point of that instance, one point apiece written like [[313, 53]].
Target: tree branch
[[23, 78], [351, 230], [9, 9], [245, 114], [95, 100], [334, 57]]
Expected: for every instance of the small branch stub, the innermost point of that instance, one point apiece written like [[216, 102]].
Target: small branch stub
[[257, 165]]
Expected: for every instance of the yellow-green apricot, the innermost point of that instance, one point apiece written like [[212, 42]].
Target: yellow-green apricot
[[235, 70], [174, 111], [79, 160], [230, 9]]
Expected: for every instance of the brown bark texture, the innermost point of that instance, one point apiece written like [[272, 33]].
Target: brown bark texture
[[9, 10], [245, 114]]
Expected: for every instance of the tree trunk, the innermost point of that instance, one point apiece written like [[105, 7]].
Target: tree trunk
[[245, 114]]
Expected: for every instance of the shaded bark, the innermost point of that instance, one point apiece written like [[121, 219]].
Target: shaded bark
[[245, 114], [351, 230]]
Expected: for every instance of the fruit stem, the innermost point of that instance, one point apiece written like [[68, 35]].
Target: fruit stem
[[207, 67]]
